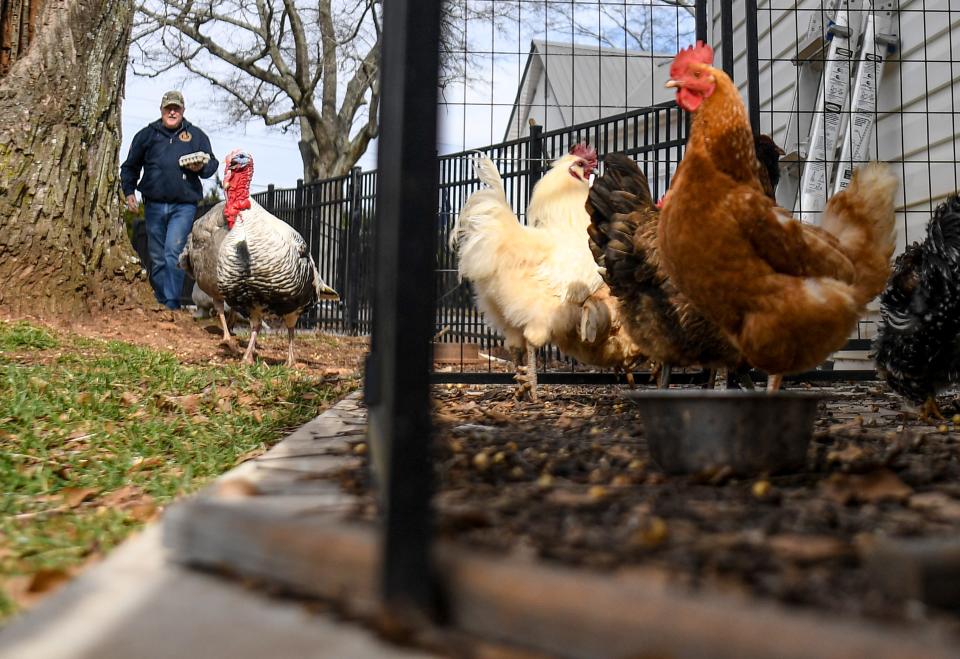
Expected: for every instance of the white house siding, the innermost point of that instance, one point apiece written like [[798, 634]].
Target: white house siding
[[918, 97], [565, 85]]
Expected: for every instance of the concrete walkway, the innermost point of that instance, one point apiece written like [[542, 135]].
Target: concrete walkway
[[138, 605]]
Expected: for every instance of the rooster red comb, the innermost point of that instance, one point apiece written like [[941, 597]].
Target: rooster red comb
[[701, 53], [585, 151]]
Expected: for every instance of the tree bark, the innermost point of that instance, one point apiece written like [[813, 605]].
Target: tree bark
[[63, 244]]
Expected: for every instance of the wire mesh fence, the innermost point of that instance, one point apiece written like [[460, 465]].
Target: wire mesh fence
[[835, 83]]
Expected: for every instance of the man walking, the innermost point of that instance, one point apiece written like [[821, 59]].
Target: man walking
[[173, 156]]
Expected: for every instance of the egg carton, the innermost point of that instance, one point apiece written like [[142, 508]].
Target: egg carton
[[197, 157]]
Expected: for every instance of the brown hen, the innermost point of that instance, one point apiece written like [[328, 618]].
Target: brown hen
[[785, 294]]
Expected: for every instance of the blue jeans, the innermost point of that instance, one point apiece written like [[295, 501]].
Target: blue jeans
[[168, 225]]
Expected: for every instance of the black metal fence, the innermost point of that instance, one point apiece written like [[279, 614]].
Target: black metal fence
[[335, 217]]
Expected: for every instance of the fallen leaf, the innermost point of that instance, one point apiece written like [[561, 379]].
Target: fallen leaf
[[142, 511], [27, 589], [44, 581], [129, 398], [74, 496], [84, 398], [567, 497], [880, 485], [937, 504], [189, 403], [249, 455], [124, 494], [848, 454], [141, 464], [807, 548]]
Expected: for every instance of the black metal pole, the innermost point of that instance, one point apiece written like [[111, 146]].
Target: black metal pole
[[700, 10], [397, 380], [726, 35], [353, 251], [753, 64], [535, 158]]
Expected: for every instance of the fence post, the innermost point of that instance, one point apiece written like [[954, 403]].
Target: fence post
[[298, 219], [397, 379], [753, 65], [534, 157], [726, 36], [353, 252], [272, 199], [700, 13]]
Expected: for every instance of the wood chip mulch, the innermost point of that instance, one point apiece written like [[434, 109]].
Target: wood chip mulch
[[569, 479]]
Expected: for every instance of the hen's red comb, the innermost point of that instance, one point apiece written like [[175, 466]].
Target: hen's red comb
[[701, 53], [585, 151]]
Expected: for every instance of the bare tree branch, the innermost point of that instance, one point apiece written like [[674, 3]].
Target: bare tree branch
[[313, 65]]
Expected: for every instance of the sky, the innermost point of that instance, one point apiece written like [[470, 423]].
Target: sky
[[473, 124], [469, 115]]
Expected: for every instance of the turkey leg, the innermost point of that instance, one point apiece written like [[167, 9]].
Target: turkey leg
[[254, 328], [291, 358]]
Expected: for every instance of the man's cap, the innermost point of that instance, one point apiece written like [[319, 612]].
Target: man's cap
[[172, 98]]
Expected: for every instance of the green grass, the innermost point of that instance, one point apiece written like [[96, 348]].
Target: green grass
[[96, 436]]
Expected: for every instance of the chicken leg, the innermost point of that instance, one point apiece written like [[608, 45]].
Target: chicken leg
[[526, 375], [532, 371], [663, 381], [930, 409], [290, 321], [774, 381], [722, 378]]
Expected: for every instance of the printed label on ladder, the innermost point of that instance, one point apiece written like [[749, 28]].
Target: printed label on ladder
[[864, 104]]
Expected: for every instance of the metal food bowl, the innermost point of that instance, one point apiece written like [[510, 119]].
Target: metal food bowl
[[751, 432]]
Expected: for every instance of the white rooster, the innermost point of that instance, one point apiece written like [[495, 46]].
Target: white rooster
[[539, 283], [264, 265]]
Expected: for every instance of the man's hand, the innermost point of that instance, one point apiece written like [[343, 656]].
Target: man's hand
[[195, 167], [132, 205]]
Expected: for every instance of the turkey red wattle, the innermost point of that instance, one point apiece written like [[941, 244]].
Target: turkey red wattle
[[237, 174]]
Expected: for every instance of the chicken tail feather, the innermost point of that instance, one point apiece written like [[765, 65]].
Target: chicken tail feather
[[862, 220], [486, 171], [613, 203]]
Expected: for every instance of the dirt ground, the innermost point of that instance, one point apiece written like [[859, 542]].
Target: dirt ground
[[197, 341], [570, 479]]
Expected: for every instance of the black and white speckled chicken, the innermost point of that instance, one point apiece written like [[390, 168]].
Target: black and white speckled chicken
[[264, 265], [917, 347]]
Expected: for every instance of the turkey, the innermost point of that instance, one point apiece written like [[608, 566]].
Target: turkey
[[199, 260], [263, 265]]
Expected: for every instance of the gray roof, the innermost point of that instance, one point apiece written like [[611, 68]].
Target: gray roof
[[583, 83]]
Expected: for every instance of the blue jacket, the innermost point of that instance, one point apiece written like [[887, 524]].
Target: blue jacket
[[156, 152]]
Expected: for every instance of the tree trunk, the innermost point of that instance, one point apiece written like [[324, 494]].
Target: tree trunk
[[63, 244]]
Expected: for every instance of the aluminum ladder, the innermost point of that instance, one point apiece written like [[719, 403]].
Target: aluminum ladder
[[826, 59]]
